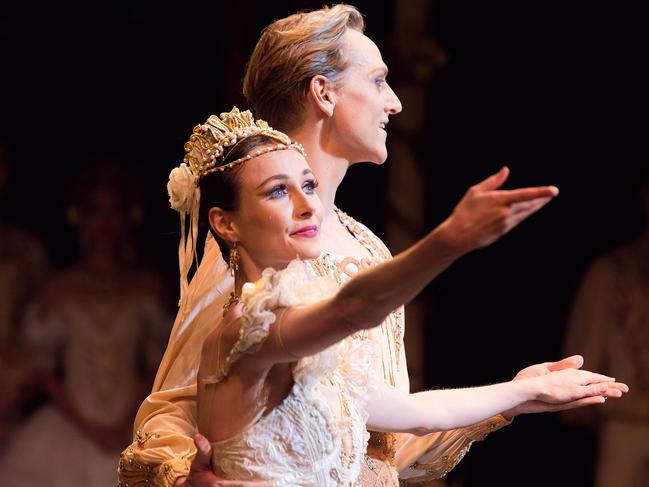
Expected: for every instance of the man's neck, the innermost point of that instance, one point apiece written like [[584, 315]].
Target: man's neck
[[329, 168]]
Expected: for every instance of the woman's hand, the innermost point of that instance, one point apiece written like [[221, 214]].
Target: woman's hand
[[571, 385], [613, 389], [486, 213]]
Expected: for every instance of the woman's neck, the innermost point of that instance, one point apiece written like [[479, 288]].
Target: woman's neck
[[248, 271]]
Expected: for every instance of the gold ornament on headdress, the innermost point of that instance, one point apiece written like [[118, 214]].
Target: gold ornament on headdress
[[209, 141], [207, 147]]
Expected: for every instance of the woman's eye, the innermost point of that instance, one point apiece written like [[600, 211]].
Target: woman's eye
[[277, 191], [379, 82], [310, 186]]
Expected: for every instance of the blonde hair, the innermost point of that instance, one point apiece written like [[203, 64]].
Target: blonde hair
[[289, 53]]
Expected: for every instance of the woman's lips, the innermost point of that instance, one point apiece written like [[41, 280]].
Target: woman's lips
[[308, 232]]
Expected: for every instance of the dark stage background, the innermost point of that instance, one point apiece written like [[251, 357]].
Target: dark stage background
[[555, 89]]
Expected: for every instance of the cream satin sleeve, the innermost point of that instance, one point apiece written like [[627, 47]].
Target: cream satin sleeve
[[163, 447], [424, 458], [417, 458]]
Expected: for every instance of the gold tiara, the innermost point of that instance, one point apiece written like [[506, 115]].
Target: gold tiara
[[209, 140]]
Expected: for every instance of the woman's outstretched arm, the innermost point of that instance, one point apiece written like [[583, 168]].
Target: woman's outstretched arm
[[439, 410]]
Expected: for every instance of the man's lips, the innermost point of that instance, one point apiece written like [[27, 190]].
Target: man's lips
[[309, 232]]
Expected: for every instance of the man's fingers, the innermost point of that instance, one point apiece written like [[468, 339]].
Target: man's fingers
[[494, 181], [203, 452], [572, 362], [585, 401], [511, 196]]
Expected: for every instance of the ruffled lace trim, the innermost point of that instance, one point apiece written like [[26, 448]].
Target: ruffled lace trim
[[297, 285], [280, 447], [355, 368]]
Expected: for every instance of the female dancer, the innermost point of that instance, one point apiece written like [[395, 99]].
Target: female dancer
[[281, 394], [340, 76]]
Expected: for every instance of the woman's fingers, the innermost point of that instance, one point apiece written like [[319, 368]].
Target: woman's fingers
[[594, 390], [529, 207], [494, 181], [613, 392], [606, 389], [572, 384], [621, 386], [513, 196], [585, 377], [517, 216], [523, 210]]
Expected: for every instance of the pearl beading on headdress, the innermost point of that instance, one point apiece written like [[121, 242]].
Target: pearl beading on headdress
[[202, 152], [266, 150], [208, 141]]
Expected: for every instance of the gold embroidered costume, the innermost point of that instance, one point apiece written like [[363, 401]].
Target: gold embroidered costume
[[168, 414], [166, 422]]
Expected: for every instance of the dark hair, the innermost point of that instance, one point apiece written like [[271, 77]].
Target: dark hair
[[222, 189]]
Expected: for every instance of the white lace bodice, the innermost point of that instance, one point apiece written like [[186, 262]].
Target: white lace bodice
[[317, 436]]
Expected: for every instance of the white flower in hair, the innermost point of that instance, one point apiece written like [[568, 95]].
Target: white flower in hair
[[181, 187]]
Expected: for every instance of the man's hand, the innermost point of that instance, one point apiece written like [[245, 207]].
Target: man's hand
[[573, 362], [486, 213], [201, 474]]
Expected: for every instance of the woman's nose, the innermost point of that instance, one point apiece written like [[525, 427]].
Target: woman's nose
[[304, 206]]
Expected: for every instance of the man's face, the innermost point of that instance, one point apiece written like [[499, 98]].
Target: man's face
[[364, 102]]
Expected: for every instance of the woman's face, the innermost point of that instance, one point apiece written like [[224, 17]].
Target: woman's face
[[364, 101], [279, 214]]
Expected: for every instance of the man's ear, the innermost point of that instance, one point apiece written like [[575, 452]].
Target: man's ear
[[322, 93], [221, 222]]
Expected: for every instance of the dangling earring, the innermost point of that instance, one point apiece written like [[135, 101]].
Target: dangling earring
[[233, 263]]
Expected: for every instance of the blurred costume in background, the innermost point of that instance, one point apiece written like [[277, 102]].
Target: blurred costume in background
[[609, 326], [23, 268], [96, 334]]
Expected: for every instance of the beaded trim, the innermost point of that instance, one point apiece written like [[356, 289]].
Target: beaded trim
[[293, 145]]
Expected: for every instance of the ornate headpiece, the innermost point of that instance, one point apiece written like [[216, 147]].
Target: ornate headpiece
[[205, 149], [209, 141]]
